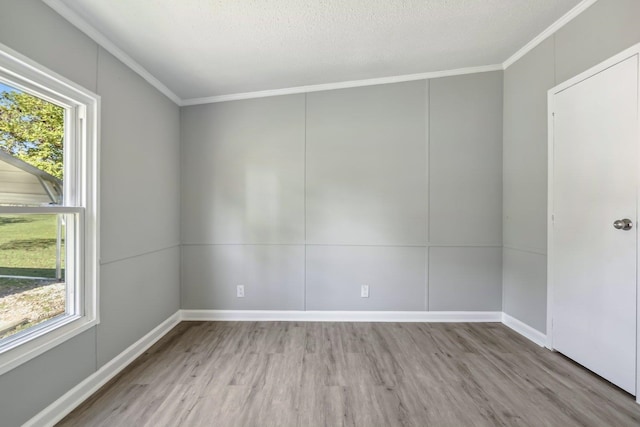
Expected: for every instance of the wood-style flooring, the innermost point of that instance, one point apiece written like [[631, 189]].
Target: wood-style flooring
[[353, 374]]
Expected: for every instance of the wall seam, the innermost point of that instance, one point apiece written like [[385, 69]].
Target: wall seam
[[180, 211], [555, 61], [138, 255], [502, 191], [523, 249], [428, 178], [95, 334], [504, 214], [305, 203], [97, 68], [381, 245]]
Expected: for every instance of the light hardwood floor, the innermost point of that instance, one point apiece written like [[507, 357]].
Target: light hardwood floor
[[353, 374]]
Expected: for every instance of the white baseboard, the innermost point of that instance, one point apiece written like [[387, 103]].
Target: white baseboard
[[343, 316], [74, 397], [525, 330]]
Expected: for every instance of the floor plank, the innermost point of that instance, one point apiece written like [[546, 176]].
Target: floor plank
[[353, 374]]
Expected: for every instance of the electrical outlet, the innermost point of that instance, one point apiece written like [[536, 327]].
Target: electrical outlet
[[364, 291], [240, 291]]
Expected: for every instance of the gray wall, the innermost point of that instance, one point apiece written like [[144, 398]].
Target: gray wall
[[139, 207], [606, 28], [304, 198]]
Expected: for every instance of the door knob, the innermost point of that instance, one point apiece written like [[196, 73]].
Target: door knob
[[623, 224]]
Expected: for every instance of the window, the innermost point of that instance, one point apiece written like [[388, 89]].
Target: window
[[48, 209]]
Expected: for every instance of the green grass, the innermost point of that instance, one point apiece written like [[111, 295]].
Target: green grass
[[27, 248]]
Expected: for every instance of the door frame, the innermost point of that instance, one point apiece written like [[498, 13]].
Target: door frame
[[622, 56]]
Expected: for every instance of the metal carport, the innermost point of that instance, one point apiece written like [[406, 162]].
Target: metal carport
[[22, 184]]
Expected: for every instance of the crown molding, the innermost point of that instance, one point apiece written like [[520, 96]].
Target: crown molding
[[79, 22], [341, 85], [550, 30]]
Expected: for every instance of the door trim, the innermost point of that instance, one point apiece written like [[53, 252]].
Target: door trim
[[622, 56]]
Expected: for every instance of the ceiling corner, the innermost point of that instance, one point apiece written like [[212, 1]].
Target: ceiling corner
[[550, 30], [80, 23]]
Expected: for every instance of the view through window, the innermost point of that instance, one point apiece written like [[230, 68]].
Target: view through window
[[32, 245], [49, 219]]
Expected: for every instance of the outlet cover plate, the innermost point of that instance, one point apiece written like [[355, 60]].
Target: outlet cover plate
[[364, 291]]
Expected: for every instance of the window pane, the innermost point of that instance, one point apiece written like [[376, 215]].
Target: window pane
[[31, 149], [33, 285]]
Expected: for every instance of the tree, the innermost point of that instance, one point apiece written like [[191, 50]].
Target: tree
[[32, 130]]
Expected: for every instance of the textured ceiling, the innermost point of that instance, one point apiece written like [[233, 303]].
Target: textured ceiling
[[202, 48]]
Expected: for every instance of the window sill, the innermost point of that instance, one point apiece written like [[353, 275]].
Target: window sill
[[50, 335]]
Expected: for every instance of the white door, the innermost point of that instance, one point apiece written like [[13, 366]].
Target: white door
[[595, 182]]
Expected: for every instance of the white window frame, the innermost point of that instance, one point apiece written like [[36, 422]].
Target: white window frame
[[81, 189]]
